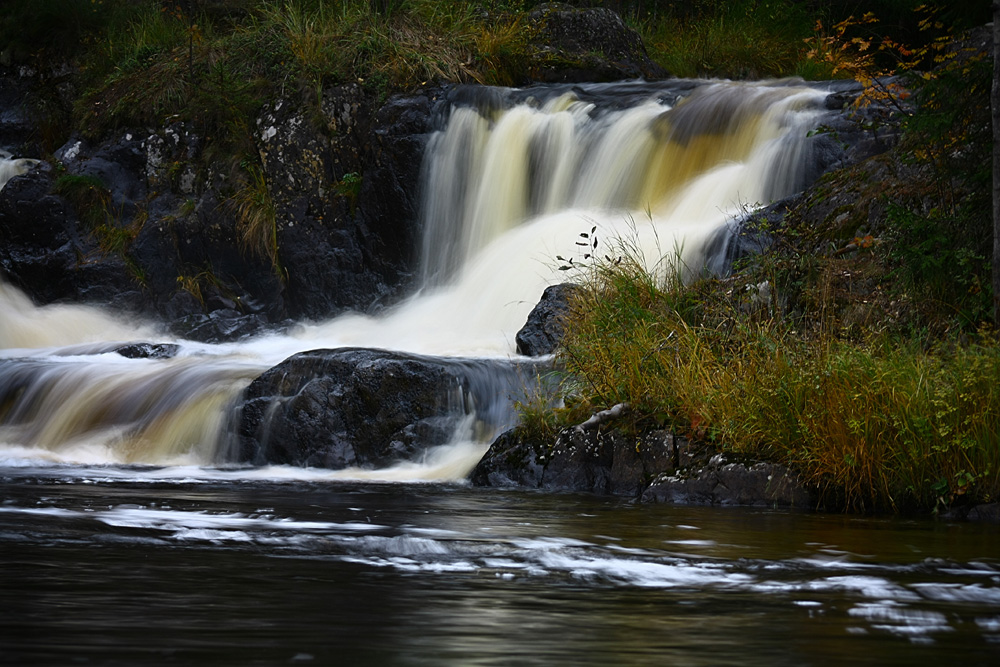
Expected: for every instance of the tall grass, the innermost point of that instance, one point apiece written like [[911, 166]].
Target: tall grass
[[738, 40], [213, 63], [879, 424], [256, 221]]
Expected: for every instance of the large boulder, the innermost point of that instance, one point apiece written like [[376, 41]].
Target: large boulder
[[721, 482], [545, 325], [370, 408], [587, 44]]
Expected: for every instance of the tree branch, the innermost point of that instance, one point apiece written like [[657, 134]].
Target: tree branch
[[599, 418]]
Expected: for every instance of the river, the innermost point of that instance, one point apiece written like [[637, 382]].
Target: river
[[140, 565]]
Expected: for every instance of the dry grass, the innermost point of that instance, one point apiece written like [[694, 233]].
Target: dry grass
[[877, 425], [256, 223]]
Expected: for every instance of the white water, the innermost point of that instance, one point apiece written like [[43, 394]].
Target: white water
[[11, 167], [504, 196]]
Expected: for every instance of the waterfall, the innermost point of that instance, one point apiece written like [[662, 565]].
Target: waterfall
[[564, 163], [509, 184]]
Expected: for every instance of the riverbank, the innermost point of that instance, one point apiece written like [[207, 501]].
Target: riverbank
[[851, 342]]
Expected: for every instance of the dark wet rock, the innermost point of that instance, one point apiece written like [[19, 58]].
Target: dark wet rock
[[388, 203], [603, 462], [983, 513], [119, 164], [722, 483], [587, 44], [149, 350], [42, 257], [513, 461], [217, 326], [344, 185], [986, 513], [370, 408], [658, 467], [340, 408], [544, 327]]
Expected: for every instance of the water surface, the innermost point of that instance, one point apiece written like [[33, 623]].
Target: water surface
[[120, 565]]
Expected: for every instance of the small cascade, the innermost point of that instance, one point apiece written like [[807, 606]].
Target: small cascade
[[510, 181], [27, 326], [109, 409], [11, 167]]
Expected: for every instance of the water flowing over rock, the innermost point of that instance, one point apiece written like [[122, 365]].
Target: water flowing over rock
[[470, 199], [370, 408]]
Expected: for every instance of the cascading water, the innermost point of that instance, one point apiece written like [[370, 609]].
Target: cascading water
[[509, 184], [11, 167]]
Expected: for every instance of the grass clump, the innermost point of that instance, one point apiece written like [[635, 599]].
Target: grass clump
[[256, 221], [88, 196], [877, 424], [92, 202]]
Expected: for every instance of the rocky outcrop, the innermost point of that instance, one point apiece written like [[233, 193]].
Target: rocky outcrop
[[603, 462], [157, 229], [657, 467], [370, 408], [148, 350], [587, 44], [543, 330], [344, 187], [724, 483]]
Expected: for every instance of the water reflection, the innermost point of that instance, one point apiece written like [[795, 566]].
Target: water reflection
[[255, 572]]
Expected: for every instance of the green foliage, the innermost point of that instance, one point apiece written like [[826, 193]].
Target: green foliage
[[739, 40], [349, 186], [212, 62], [937, 256], [942, 238], [876, 424], [256, 222], [88, 196]]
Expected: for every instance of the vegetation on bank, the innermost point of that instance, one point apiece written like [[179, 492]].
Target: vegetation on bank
[[879, 419], [212, 63]]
